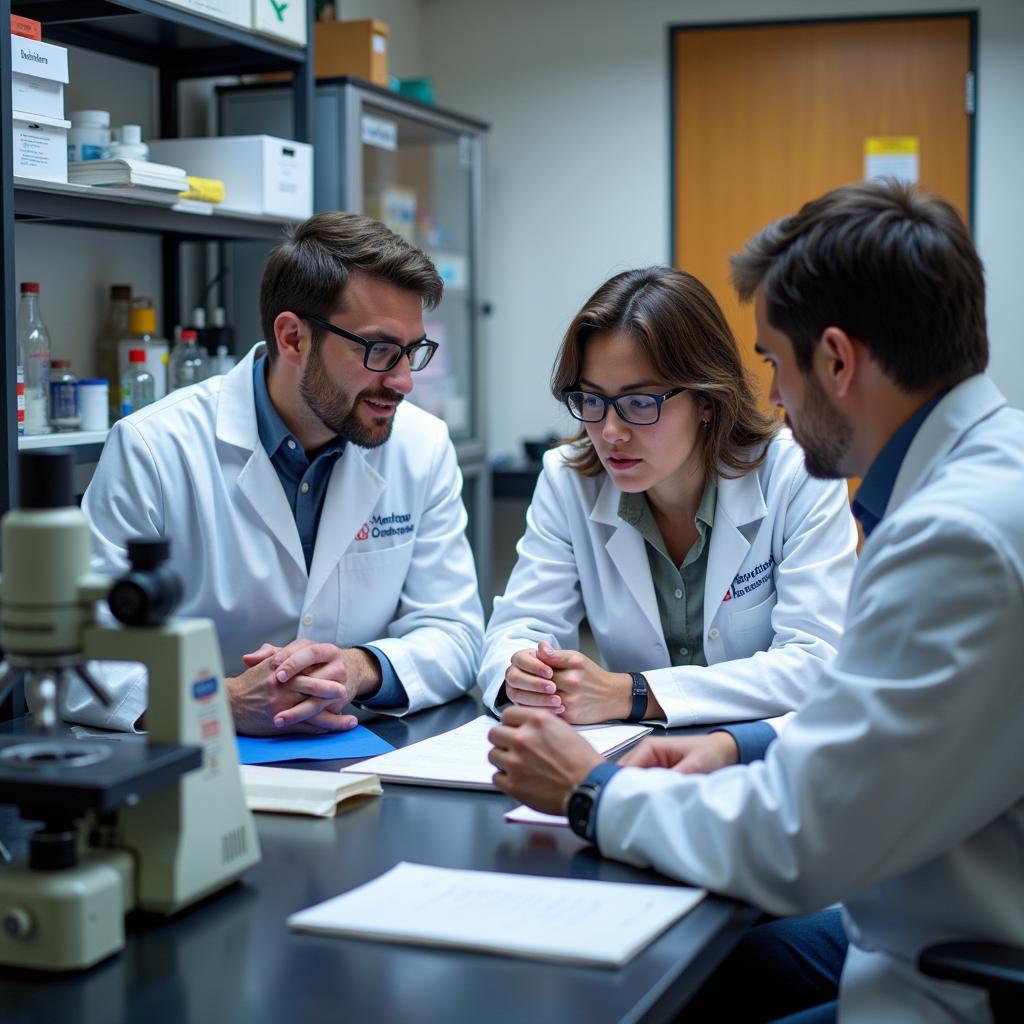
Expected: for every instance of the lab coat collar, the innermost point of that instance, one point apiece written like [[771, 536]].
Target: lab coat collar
[[966, 405], [258, 480], [740, 503], [236, 405]]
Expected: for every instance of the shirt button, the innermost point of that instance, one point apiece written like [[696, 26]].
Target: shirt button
[[679, 593], [291, 444], [304, 488], [307, 620], [712, 634], [684, 651]]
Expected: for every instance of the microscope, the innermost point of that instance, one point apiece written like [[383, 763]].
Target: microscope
[[151, 824]]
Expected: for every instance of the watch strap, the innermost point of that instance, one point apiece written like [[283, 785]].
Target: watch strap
[[641, 697]]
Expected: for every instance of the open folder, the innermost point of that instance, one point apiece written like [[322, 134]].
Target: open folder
[[604, 924], [458, 758]]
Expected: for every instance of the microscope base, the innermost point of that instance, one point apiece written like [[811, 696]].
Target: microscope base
[[68, 919]]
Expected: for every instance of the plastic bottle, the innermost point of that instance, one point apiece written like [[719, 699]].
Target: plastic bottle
[[129, 144], [189, 362], [89, 135], [119, 325], [218, 333], [143, 336], [65, 412], [137, 384], [34, 358]]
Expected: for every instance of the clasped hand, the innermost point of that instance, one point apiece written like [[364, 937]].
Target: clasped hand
[[301, 687], [569, 684]]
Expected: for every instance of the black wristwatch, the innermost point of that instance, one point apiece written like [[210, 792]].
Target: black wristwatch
[[641, 696], [579, 809], [582, 801]]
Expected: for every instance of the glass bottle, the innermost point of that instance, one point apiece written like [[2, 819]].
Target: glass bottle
[[137, 384], [189, 362], [119, 325], [34, 358], [65, 413], [143, 336]]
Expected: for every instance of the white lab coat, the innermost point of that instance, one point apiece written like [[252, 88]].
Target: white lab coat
[[391, 566], [899, 785], [780, 560]]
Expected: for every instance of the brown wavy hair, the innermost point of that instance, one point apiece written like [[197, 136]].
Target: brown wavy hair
[[678, 325]]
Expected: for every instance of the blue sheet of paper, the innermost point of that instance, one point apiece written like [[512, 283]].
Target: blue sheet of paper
[[357, 742]]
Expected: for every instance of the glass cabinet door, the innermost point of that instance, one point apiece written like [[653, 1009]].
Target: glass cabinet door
[[418, 179]]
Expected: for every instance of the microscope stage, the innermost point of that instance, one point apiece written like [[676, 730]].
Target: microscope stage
[[60, 776]]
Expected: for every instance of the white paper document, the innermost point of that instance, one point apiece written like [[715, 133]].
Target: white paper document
[[523, 815], [458, 758], [570, 920]]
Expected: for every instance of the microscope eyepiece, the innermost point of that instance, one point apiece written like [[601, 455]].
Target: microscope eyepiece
[[149, 593]]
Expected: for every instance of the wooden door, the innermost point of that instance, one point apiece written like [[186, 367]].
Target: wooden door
[[766, 117]]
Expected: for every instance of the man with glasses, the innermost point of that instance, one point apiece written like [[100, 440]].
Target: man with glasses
[[313, 514]]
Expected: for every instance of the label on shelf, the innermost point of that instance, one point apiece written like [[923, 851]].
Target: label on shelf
[[379, 132]]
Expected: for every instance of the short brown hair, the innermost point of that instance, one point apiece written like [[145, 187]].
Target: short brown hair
[[890, 265], [309, 270], [678, 325]]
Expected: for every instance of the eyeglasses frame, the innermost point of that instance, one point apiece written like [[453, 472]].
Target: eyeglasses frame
[[659, 399], [403, 350]]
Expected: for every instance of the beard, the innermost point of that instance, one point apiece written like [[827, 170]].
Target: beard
[[340, 413], [824, 435]]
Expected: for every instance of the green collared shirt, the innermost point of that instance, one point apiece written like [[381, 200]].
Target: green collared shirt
[[679, 589]]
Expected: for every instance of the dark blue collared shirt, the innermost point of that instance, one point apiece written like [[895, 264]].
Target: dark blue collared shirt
[[872, 497], [305, 487]]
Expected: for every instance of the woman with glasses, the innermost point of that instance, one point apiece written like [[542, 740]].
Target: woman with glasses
[[681, 523]]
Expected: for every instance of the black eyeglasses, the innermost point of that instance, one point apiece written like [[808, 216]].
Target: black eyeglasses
[[381, 356], [640, 409]]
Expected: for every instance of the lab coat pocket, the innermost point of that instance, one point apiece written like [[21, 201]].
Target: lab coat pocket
[[369, 590], [748, 630], [379, 560]]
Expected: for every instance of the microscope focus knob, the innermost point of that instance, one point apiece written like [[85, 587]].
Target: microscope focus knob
[[18, 923]]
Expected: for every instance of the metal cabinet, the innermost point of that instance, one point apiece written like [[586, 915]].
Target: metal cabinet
[[417, 169]]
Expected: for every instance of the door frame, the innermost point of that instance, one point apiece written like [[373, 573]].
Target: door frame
[[674, 29]]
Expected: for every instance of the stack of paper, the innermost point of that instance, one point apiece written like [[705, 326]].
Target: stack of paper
[[459, 758], [120, 172], [294, 791], [568, 920]]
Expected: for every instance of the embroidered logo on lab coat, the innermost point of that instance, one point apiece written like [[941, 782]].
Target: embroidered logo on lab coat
[[395, 524], [745, 582]]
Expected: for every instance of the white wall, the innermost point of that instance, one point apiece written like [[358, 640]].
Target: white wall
[[577, 173]]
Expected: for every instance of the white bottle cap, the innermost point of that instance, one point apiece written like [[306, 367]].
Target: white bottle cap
[[90, 118], [199, 318], [131, 134], [218, 316]]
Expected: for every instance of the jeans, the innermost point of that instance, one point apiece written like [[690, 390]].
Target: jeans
[[781, 967]]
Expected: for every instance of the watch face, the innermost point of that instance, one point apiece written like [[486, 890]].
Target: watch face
[[581, 805]]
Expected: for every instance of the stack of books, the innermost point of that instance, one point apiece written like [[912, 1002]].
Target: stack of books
[[158, 183]]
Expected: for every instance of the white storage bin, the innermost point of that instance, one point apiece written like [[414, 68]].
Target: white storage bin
[[39, 74], [40, 147], [282, 20], [235, 12], [261, 174]]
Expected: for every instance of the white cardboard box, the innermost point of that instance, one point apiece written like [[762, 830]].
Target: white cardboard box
[[284, 19], [261, 174], [40, 71], [235, 12], [40, 147]]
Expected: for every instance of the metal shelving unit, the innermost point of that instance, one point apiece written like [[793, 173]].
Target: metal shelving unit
[[180, 45]]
